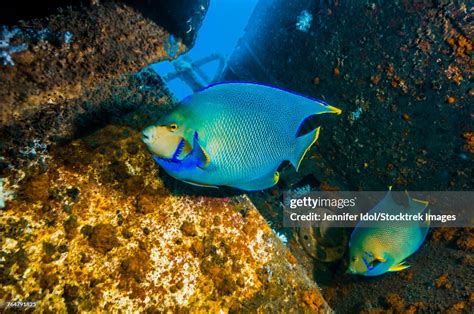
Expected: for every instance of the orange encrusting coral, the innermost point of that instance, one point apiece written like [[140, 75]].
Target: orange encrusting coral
[[469, 139], [99, 229], [461, 45]]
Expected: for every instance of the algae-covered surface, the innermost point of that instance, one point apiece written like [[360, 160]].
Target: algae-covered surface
[[99, 230], [401, 71], [90, 223]]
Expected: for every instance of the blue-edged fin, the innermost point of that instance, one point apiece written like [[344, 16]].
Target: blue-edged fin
[[200, 154], [259, 184], [303, 144], [399, 266]]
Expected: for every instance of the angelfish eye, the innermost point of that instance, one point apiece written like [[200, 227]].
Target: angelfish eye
[[173, 127], [375, 263]]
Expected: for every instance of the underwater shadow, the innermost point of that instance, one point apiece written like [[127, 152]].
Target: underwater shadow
[[179, 188], [135, 101]]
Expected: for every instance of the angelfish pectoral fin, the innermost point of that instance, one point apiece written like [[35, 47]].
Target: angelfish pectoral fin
[[381, 259], [398, 267], [259, 184], [156, 158], [303, 144], [200, 153], [200, 184]]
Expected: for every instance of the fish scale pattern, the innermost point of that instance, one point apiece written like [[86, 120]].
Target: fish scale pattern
[[250, 134], [245, 150], [247, 129]]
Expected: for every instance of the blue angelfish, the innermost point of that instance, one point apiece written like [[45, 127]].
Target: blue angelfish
[[377, 247], [234, 134]]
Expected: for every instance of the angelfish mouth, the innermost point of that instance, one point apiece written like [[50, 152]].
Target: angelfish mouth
[[147, 134], [146, 137]]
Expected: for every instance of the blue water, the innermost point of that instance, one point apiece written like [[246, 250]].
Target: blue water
[[222, 27]]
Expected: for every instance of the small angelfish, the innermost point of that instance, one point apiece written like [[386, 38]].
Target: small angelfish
[[377, 247]]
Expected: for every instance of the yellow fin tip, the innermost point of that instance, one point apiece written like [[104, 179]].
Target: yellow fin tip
[[276, 177], [309, 146]]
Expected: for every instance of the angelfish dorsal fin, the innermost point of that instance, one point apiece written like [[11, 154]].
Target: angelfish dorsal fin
[[200, 153], [303, 144]]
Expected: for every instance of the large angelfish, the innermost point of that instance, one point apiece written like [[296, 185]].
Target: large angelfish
[[234, 134]]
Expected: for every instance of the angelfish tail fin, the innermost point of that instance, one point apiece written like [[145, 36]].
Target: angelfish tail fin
[[425, 225], [303, 144]]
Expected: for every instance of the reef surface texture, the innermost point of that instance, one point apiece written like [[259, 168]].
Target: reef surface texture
[[90, 222], [402, 72], [99, 229]]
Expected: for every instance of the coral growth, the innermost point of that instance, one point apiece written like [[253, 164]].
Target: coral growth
[[303, 21], [7, 48], [29, 35], [461, 45], [171, 46], [70, 52], [5, 194], [469, 141], [100, 229]]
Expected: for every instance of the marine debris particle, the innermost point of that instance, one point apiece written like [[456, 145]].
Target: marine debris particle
[[450, 100], [461, 45], [5, 194], [283, 238], [469, 141], [395, 302], [6, 48], [442, 282], [7, 36], [303, 21], [34, 149], [297, 192], [355, 115], [312, 300], [68, 36], [454, 73], [171, 46]]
